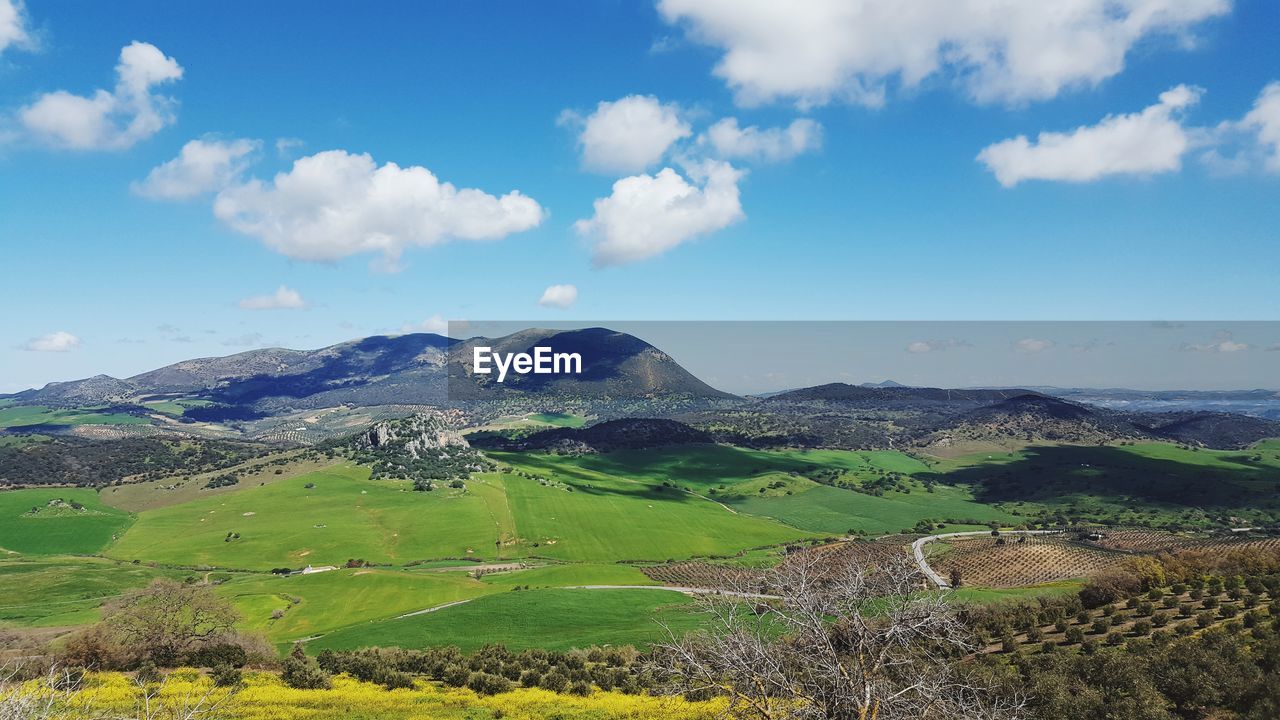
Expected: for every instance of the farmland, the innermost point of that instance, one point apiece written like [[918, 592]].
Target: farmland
[[513, 542], [552, 619], [44, 521]]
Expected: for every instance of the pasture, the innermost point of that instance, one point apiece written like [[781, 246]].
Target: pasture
[[342, 515], [553, 619], [30, 526], [16, 416], [308, 605]]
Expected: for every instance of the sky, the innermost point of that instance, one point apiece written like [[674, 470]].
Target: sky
[[190, 179]]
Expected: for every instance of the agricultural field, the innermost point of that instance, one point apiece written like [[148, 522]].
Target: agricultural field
[[321, 518], [63, 591], [300, 606], [30, 415], [55, 521], [553, 619], [1153, 484], [1020, 561]]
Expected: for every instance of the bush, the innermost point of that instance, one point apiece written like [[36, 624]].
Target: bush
[[484, 683], [555, 681], [581, 688], [219, 654], [224, 675], [148, 674], [303, 673]]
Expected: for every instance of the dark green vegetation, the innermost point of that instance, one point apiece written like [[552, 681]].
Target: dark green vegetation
[[1153, 484], [71, 461]]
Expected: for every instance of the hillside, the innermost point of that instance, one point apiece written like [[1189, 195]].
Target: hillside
[[625, 434]]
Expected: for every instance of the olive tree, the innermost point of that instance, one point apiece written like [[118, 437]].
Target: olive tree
[[855, 641]]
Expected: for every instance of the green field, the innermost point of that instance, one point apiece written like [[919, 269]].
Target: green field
[[824, 508], [344, 516], [25, 415], [340, 598], [65, 591], [572, 575], [551, 619], [56, 531], [1140, 484]]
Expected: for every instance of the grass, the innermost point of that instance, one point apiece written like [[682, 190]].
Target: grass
[[570, 576], [341, 598], [25, 415], [612, 518], [1140, 484], [60, 591], [52, 531], [823, 508], [344, 515], [550, 619], [984, 596]]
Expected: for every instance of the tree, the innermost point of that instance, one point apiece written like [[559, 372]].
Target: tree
[[956, 579], [857, 641], [167, 620]]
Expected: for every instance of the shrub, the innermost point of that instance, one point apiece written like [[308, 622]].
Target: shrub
[[555, 681], [303, 673], [484, 683], [148, 674], [224, 675], [581, 688]]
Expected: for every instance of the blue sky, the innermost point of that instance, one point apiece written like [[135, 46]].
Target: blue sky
[[1158, 198]]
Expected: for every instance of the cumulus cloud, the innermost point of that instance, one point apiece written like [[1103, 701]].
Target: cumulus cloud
[[929, 346], [646, 215], [1032, 345], [108, 120], [770, 144], [820, 51], [336, 204], [559, 296], [60, 341], [627, 135], [1145, 143], [202, 166], [1264, 119], [13, 25], [434, 324], [283, 298]]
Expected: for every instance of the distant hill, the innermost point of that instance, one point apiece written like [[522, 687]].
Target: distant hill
[[414, 369], [885, 396], [625, 434]]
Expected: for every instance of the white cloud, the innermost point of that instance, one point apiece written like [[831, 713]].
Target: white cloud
[[1032, 345], [434, 324], [646, 215], [1264, 119], [629, 134], [108, 120], [771, 144], [560, 296], [13, 25], [202, 166], [60, 341], [283, 298], [819, 51], [1145, 143], [334, 204]]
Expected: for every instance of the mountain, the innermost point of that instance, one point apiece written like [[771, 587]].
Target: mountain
[[884, 396], [413, 369], [1033, 417]]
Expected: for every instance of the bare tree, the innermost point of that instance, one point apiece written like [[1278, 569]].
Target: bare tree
[[167, 620], [850, 642], [41, 698]]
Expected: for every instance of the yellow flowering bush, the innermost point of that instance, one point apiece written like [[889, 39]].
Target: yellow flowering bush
[[264, 697]]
